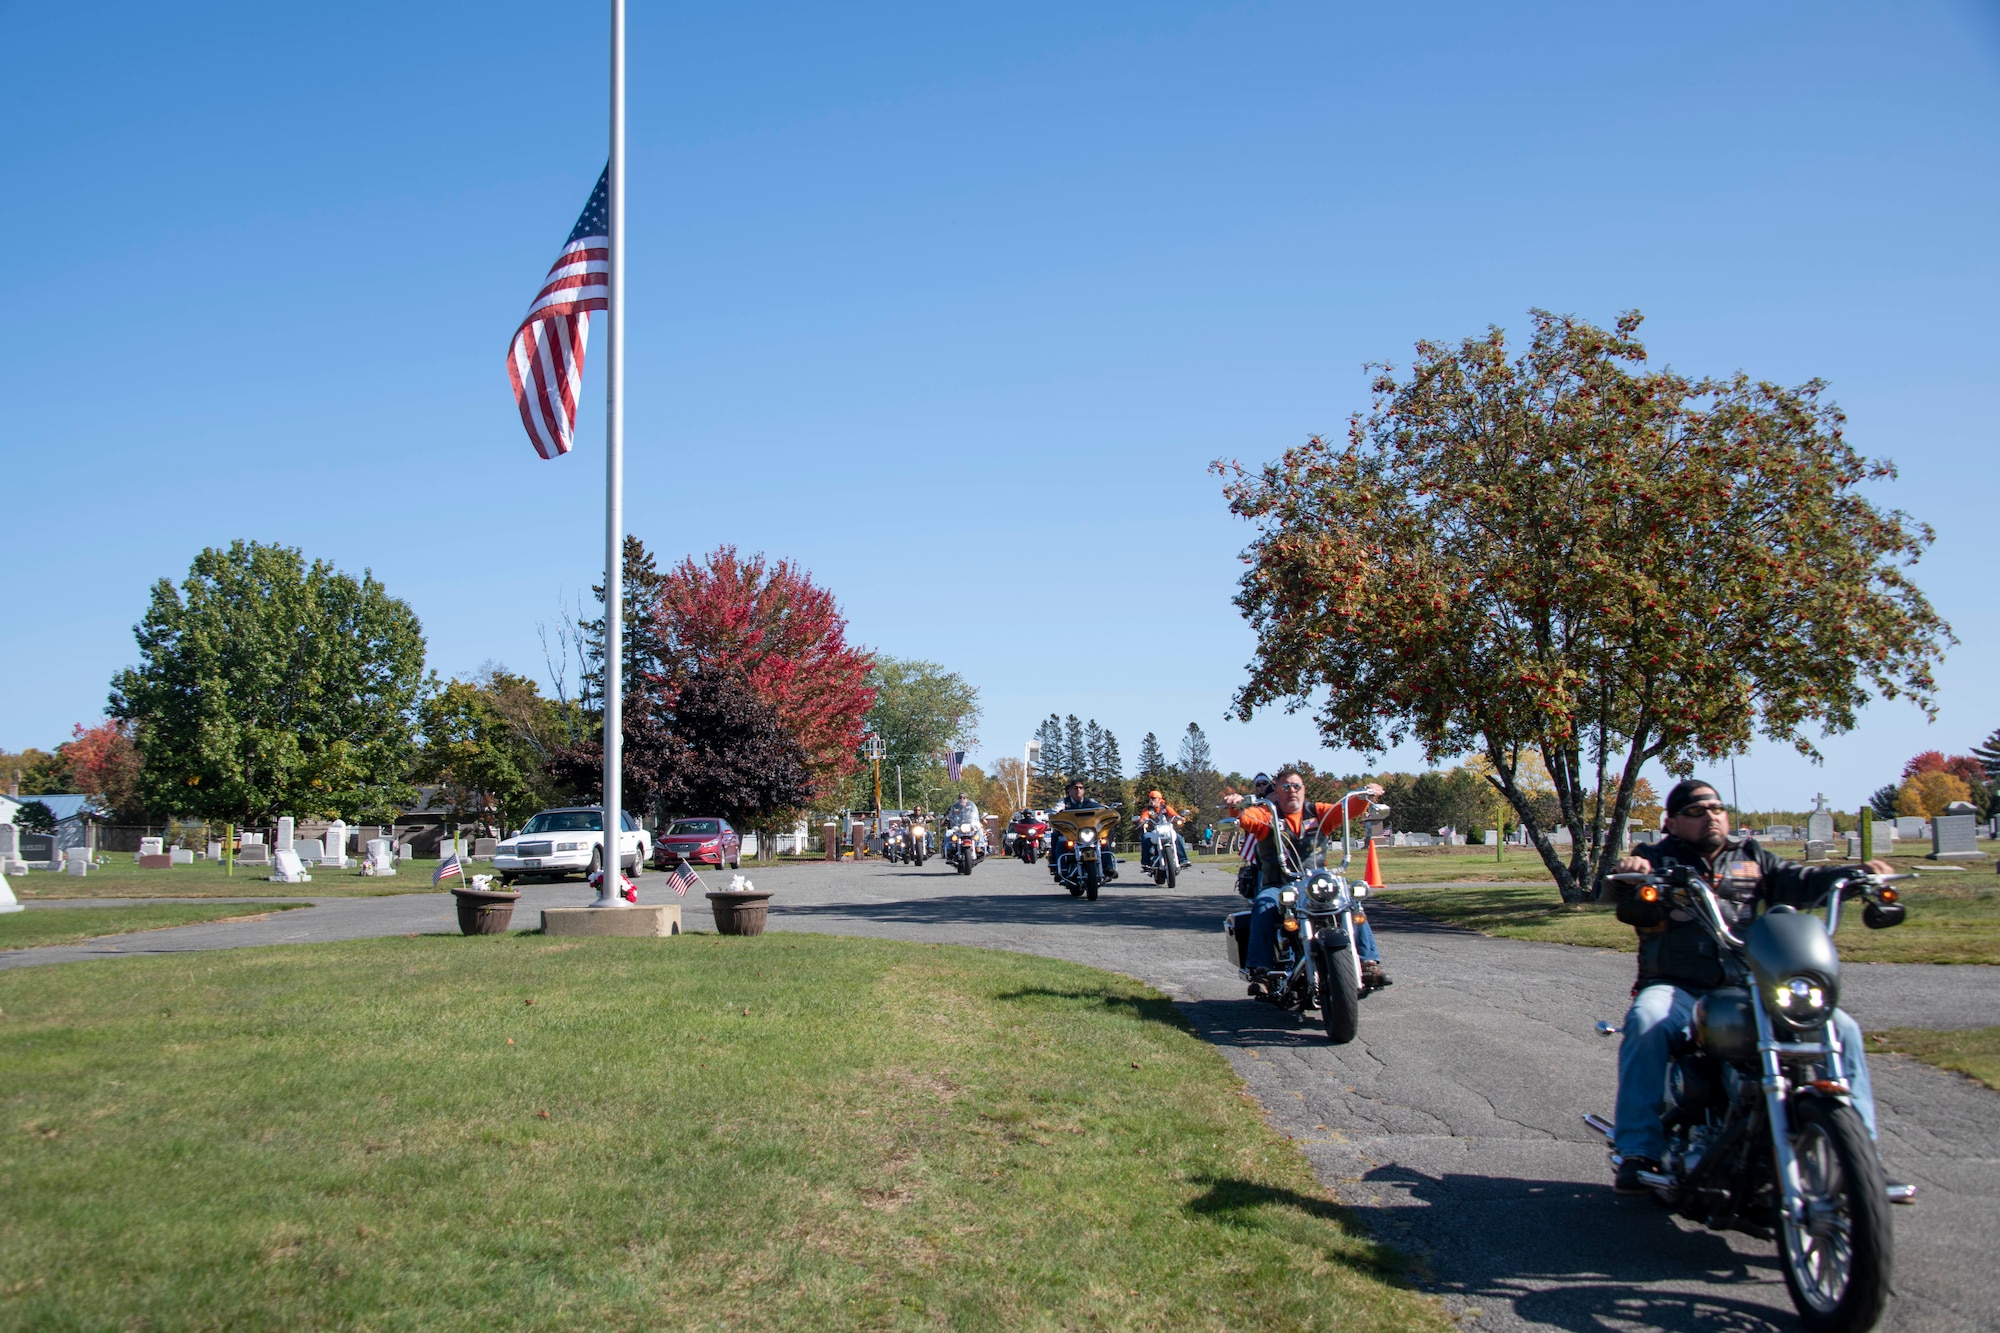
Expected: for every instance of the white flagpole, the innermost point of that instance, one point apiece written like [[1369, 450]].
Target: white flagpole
[[614, 482]]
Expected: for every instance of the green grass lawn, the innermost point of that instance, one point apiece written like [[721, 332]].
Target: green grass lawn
[[73, 925], [1971, 1051], [790, 1131], [1952, 919], [207, 879]]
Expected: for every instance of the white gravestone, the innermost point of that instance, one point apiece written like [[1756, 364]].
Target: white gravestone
[[152, 847], [182, 856], [334, 849], [76, 861], [308, 850], [253, 840], [1854, 846], [1955, 838], [1492, 837], [286, 868], [1910, 826], [10, 851], [253, 854], [378, 860], [1884, 836], [287, 831], [406, 851], [1819, 827], [8, 903], [214, 849]]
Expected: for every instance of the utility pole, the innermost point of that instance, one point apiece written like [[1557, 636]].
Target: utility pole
[[875, 749]]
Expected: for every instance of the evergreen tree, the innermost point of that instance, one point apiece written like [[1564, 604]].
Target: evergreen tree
[[1093, 751], [1076, 751], [1988, 756], [1200, 784], [1152, 760], [1045, 785]]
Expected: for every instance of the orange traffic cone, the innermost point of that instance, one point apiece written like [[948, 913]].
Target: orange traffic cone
[[1372, 876]]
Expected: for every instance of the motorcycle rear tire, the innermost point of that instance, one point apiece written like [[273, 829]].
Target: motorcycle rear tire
[[1090, 873], [1339, 994], [1823, 1126]]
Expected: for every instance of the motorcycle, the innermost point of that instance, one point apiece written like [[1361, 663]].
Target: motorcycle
[[917, 845], [1028, 838], [961, 847], [894, 846], [1317, 965], [1076, 840], [1763, 1136], [1162, 849]]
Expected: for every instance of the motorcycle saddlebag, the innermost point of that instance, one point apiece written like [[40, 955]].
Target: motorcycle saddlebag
[[1236, 938]]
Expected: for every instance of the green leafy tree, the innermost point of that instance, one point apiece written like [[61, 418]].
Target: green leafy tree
[[1570, 555], [267, 686], [922, 712], [488, 774], [36, 817], [37, 772]]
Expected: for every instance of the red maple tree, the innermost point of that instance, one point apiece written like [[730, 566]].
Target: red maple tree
[[104, 762], [1962, 766], [783, 636]]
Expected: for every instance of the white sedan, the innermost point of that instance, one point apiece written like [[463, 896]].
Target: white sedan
[[569, 841]]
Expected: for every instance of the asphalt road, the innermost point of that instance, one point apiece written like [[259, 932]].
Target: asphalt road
[[1450, 1126]]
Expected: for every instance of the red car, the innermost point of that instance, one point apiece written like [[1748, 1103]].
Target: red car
[[704, 842]]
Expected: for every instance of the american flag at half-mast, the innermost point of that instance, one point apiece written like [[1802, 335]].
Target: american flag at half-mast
[[545, 361], [682, 878], [954, 764]]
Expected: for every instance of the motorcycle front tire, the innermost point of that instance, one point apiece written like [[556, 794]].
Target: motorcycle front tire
[[1091, 872], [1830, 1133], [1339, 993], [964, 862], [1173, 867]]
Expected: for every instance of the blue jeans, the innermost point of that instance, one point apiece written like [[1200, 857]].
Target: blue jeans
[[1657, 1013], [1146, 848], [1263, 950]]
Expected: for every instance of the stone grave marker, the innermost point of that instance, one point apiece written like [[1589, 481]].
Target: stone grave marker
[[288, 829], [334, 848], [11, 861], [1819, 827], [76, 861], [1854, 846], [152, 847], [378, 860], [253, 854], [1910, 827], [287, 868], [215, 849], [1956, 838], [182, 856], [1815, 849], [483, 848], [8, 903], [250, 838], [1884, 836]]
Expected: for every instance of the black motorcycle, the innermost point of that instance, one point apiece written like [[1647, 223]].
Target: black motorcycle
[[1317, 965], [1763, 1136]]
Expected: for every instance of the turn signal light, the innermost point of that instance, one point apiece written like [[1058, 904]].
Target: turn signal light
[[1648, 893], [1889, 895], [1292, 925]]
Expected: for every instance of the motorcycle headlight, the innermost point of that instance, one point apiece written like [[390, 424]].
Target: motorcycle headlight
[[1088, 835], [1287, 897], [1801, 1000]]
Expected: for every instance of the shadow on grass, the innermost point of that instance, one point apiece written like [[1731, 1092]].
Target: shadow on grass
[[1233, 1201], [1154, 1009]]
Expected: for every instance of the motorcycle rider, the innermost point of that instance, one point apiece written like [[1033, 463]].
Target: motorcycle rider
[[1300, 822], [1679, 961], [963, 811], [1074, 799], [1156, 806]]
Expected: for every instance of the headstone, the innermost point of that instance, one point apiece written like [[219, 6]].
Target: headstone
[[152, 847], [377, 859], [214, 849], [1956, 838], [155, 861], [1815, 850], [11, 862], [333, 849], [76, 861], [406, 851], [1819, 827], [1885, 834], [253, 839], [287, 868], [1909, 827], [253, 854], [182, 856], [8, 903], [482, 848], [1493, 837], [1854, 846], [308, 850], [287, 833]]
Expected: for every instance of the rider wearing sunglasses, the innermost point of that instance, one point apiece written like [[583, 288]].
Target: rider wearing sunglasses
[[1679, 961]]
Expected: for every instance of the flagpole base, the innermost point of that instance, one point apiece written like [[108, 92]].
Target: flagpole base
[[620, 921]]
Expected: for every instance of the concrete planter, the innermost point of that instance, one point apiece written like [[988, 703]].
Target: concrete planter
[[482, 912], [740, 911]]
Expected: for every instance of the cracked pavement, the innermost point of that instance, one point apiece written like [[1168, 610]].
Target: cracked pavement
[[1450, 1126]]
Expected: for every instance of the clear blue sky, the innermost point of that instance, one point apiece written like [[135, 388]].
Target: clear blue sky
[[952, 306]]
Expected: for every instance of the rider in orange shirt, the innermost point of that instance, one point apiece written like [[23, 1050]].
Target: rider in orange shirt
[[1303, 824], [1156, 806]]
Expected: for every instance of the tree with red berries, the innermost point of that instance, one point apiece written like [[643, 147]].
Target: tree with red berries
[[1567, 555]]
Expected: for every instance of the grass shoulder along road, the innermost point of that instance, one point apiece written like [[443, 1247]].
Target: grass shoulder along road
[[1974, 1052], [788, 1131], [24, 930], [209, 879], [1952, 919]]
